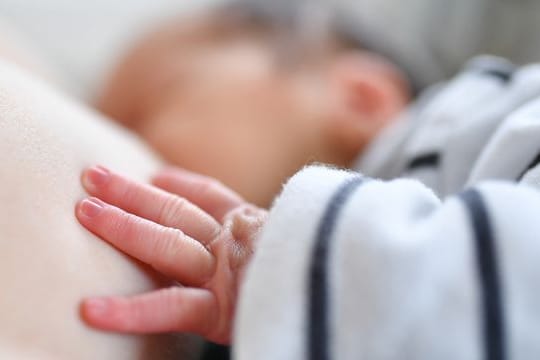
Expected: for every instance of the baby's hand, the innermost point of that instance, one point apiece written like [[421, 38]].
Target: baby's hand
[[203, 237]]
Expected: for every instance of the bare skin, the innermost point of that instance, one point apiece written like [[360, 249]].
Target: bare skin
[[188, 227], [49, 262], [222, 106]]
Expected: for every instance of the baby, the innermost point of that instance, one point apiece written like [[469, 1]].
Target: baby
[[46, 134], [343, 266]]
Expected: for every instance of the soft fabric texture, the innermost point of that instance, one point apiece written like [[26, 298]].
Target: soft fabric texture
[[403, 275], [350, 267], [513, 151], [441, 139]]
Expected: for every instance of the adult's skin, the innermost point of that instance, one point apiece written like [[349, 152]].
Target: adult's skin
[[49, 263]]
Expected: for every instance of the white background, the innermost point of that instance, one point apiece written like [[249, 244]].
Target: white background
[[81, 40]]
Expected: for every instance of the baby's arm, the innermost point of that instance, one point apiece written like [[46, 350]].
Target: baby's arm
[[202, 237], [386, 270]]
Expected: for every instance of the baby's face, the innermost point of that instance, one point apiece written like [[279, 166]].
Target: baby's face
[[223, 108], [220, 108]]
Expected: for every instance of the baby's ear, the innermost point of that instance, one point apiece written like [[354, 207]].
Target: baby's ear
[[369, 92]]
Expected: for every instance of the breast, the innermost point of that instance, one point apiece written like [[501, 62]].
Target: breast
[[48, 262]]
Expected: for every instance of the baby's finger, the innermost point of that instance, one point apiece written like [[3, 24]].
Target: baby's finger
[[167, 310], [207, 193], [168, 250], [150, 203]]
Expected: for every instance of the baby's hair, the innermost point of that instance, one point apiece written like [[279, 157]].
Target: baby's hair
[[301, 31]]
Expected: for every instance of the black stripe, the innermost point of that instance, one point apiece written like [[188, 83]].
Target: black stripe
[[533, 164], [488, 274], [318, 347], [504, 75], [426, 160]]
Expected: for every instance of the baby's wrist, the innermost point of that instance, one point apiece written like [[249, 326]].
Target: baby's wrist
[[244, 225]]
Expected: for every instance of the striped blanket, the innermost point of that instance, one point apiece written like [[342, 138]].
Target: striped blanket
[[439, 263]]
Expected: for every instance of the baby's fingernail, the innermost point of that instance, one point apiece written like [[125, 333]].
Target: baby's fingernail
[[96, 307], [96, 176], [91, 207]]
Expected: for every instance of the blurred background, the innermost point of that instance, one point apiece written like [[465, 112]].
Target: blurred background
[[82, 40]]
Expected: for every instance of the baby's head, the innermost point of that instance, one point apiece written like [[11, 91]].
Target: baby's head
[[250, 101]]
